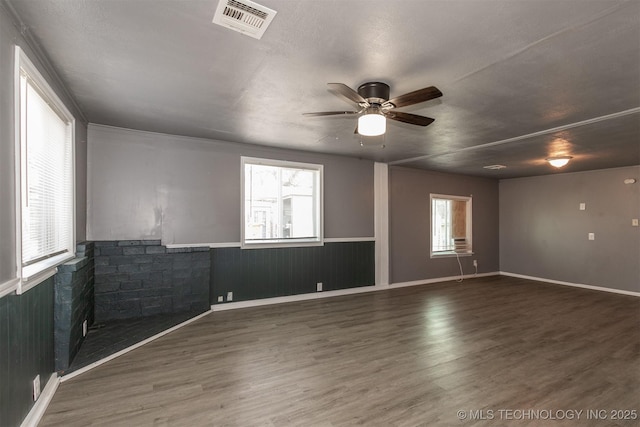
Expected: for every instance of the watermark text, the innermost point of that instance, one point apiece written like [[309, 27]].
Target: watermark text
[[547, 414]]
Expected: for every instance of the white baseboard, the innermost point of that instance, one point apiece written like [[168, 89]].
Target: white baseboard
[[575, 285], [341, 292], [440, 280], [37, 411], [351, 291], [294, 298], [133, 347]]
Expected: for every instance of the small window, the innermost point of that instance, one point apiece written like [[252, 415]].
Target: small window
[[450, 225], [281, 203], [44, 176]]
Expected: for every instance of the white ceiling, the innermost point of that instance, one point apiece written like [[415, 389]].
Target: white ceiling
[[522, 79]]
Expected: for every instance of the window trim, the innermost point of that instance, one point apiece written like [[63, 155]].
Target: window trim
[[27, 277], [469, 226], [9, 286], [282, 242]]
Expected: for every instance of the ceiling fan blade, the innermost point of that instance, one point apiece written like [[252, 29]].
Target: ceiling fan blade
[[412, 119], [415, 97], [348, 93], [331, 113]]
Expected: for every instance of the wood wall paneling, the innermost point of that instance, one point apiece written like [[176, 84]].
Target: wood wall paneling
[[26, 349], [274, 272]]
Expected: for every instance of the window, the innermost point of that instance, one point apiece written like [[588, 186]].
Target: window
[[281, 203], [44, 176], [450, 225]]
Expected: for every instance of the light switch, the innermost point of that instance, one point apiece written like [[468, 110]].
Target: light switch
[[592, 236], [583, 206], [634, 222]]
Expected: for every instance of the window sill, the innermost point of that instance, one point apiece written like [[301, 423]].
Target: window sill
[[267, 244], [450, 254], [35, 274], [9, 287]]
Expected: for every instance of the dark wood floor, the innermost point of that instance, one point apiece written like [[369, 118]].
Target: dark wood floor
[[404, 357]]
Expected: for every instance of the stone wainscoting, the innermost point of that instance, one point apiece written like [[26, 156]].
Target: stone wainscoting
[[139, 278]]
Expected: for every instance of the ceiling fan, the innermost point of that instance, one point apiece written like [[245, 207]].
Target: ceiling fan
[[374, 106]]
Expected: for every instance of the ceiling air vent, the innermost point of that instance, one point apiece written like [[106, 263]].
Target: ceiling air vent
[[494, 167], [244, 16]]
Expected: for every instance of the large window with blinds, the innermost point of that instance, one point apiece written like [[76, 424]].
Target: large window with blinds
[[450, 225], [45, 176]]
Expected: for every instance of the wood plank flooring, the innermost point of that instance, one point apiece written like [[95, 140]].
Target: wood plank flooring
[[404, 357]]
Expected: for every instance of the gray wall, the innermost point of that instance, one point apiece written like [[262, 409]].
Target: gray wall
[[146, 185], [8, 37], [409, 224], [26, 321], [544, 234], [81, 181]]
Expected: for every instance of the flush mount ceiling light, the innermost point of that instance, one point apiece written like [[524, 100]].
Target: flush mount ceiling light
[[559, 161], [372, 124]]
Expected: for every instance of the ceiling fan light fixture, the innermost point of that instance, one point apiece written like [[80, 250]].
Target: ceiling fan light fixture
[[559, 161], [372, 124]]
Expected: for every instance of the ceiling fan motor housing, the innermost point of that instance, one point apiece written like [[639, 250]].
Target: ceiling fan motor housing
[[374, 92], [372, 101]]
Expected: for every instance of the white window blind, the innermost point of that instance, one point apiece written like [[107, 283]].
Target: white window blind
[[47, 177]]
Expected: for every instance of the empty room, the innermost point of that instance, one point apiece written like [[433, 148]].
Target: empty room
[[319, 213]]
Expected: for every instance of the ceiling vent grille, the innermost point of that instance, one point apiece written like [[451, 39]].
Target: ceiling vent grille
[[244, 16]]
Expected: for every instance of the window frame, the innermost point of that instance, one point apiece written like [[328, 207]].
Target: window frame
[[468, 225], [29, 276], [318, 199]]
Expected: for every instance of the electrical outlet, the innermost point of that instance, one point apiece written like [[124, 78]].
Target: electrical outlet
[[583, 206], [592, 236], [475, 263], [36, 387], [220, 298], [319, 287], [229, 296], [85, 328]]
